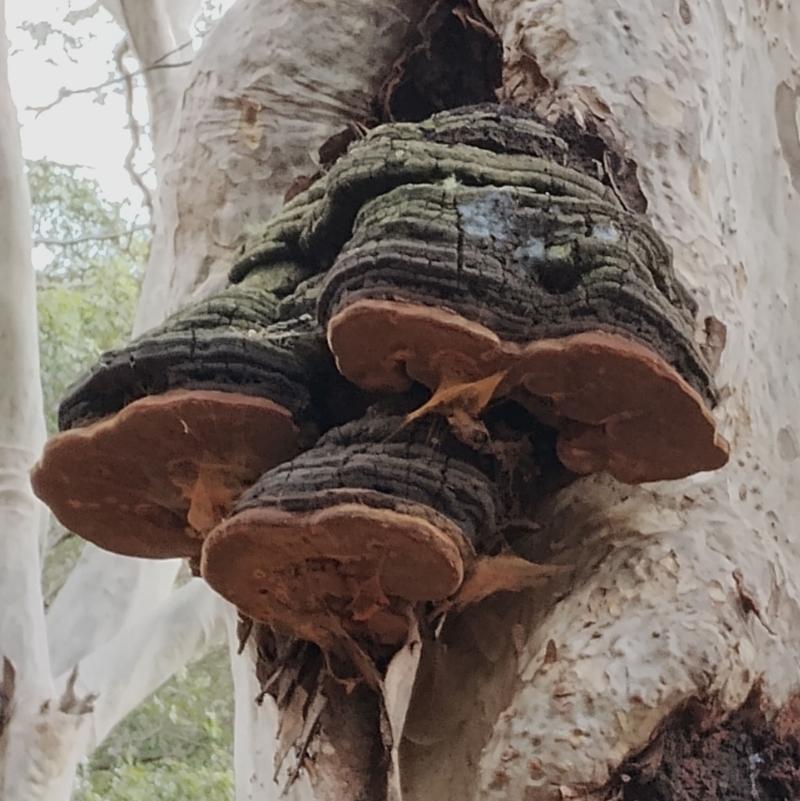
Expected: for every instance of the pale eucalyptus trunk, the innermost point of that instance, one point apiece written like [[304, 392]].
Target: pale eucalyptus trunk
[[544, 694], [116, 631], [26, 680]]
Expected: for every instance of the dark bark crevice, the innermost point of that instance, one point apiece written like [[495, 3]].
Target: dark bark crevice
[[750, 755]]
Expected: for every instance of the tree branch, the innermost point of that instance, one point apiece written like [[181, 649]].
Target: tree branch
[[91, 237], [133, 123], [102, 594], [64, 93], [142, 656]]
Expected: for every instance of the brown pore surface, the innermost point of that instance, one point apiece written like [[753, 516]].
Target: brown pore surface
[[153, 479], [618, 405], [346, 569]]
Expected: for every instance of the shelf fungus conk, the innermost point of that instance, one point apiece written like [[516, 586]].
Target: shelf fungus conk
[[464, 263], [159, 438], [151, 480], [476, 253], [347, 536]]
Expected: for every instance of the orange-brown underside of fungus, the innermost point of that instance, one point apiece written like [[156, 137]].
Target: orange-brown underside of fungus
[[618, 405], [153, 479], [348, 568]]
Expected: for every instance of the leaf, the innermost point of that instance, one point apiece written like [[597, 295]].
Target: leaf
[[39, 31], [449, 399], [82, 13], [503, 573]]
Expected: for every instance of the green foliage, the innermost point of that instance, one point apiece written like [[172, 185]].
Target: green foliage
[[60, 558], [168, 781], [87, 287], [175, 747], [87, 290]]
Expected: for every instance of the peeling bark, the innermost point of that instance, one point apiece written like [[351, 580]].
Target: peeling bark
[[656, 614]]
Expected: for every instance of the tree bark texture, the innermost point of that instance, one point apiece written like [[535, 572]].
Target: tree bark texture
[[26, 678], [272, 83], [682, 590]]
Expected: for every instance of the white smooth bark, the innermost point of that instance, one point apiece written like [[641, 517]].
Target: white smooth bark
[[272, 82], [102, 689], [114, 615], [102, 595], [159, 33], [256, 734], [141, 657], [22, 634], [22, 638]]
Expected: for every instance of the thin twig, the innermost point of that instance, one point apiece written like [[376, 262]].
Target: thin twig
[[91, 237], [64, 93], [133, 123], [159, 62]]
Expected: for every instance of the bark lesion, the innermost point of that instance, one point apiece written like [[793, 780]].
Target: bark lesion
[[7, 687], [751, 754]]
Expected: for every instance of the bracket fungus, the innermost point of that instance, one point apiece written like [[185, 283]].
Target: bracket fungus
[[465, 263], [159, 439], [152, 479], [476, 253], [344, 538]]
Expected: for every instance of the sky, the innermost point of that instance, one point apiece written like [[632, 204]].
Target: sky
[[50, 49], [79, 129]]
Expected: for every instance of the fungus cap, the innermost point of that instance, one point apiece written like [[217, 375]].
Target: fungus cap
[[154, 478], [619, 406], [345, 568]]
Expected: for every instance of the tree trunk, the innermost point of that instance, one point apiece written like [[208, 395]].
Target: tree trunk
[[668, 657], [116, 632], [26, 679], [684, 592]]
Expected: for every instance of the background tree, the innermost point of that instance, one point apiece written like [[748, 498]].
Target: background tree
[[47, 728], [89, 280], [178, 744]]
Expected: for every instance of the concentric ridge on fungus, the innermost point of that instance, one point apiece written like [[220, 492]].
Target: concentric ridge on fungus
[[466, 144], [226, 342], [475, 243], [462, 263], [162, 436], [348, 534]]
